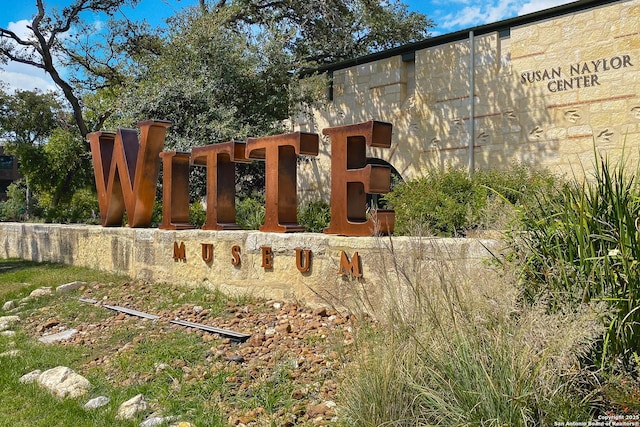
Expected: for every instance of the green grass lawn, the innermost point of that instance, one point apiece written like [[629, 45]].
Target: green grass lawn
[[122, 359]]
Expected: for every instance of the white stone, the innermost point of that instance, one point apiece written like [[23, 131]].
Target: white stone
[[60, 336], [41, 292], [64, 382], [10, 353], [9, 305], [72, 286], [8, 321], [31, 377], [160, 367], [97, 402], [131, 407], [8, 333], [197, 309], [154, 421]]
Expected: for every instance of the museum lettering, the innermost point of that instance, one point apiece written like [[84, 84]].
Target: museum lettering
[[127, 166]]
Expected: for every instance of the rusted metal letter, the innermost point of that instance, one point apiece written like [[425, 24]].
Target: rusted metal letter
[[303, 264], [179, 252], [352, 178], [235, 256], [221, 186], [280, 154], [267, 257], [126, 172], [175, 191], [350, 268], [207, 252]]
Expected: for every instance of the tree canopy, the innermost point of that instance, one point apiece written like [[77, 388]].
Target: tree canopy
[[40, 132], [227, 69]]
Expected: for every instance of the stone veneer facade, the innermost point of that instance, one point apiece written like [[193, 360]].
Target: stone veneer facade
[[547, 88]]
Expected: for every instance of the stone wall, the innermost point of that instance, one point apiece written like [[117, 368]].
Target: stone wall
[[149, 254], [545, 93]]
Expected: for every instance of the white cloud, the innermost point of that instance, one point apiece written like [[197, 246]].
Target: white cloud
[[20, 28], [478, 14], [536, 5], [23, 76], [484, 12]]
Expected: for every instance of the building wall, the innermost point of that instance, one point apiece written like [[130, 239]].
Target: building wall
[[8, 172], [545, 93]]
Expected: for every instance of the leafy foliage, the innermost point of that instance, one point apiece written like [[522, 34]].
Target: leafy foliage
[[15, 207], [315, 216], [580, 244], [329, 30], [450, 203], [218, 72], [250, 213], [230, 71], [51, 154]]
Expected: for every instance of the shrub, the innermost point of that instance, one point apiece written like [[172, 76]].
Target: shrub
[[315, 216], [580, 244], [15, 207], [81, 209], [438, 202], [197, 214], [250, 213], [449, 203]]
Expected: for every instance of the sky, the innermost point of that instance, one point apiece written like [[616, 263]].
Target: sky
[[448, 15]]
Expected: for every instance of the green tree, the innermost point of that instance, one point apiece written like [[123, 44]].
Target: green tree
[[40, 133], [88, 65], [60, 40], [229, 70], [327, 30]]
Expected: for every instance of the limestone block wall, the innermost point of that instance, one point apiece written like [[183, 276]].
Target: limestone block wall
[[149, 254], [546, 92]]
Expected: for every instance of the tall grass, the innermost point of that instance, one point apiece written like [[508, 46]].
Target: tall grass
[[454, 349], [580, 244]]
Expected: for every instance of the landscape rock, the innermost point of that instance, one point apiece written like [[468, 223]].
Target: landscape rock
[[155, 420], [321, 409], [7, 333], [10, 353], [8, 321], [31, 377], [9, 305], [41, 292], [97, 402], [131, 407], [60, 336], [64, 382], [72, 286], [311, 344]]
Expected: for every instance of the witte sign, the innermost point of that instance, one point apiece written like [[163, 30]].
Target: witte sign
[[126, 171]]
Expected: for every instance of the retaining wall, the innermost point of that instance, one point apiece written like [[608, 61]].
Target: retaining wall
[[149, 254]]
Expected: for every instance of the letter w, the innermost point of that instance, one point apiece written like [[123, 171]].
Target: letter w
[[126, 172]]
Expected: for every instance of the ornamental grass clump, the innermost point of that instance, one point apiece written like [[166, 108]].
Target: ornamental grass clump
[[453, 348], [579, 245]]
